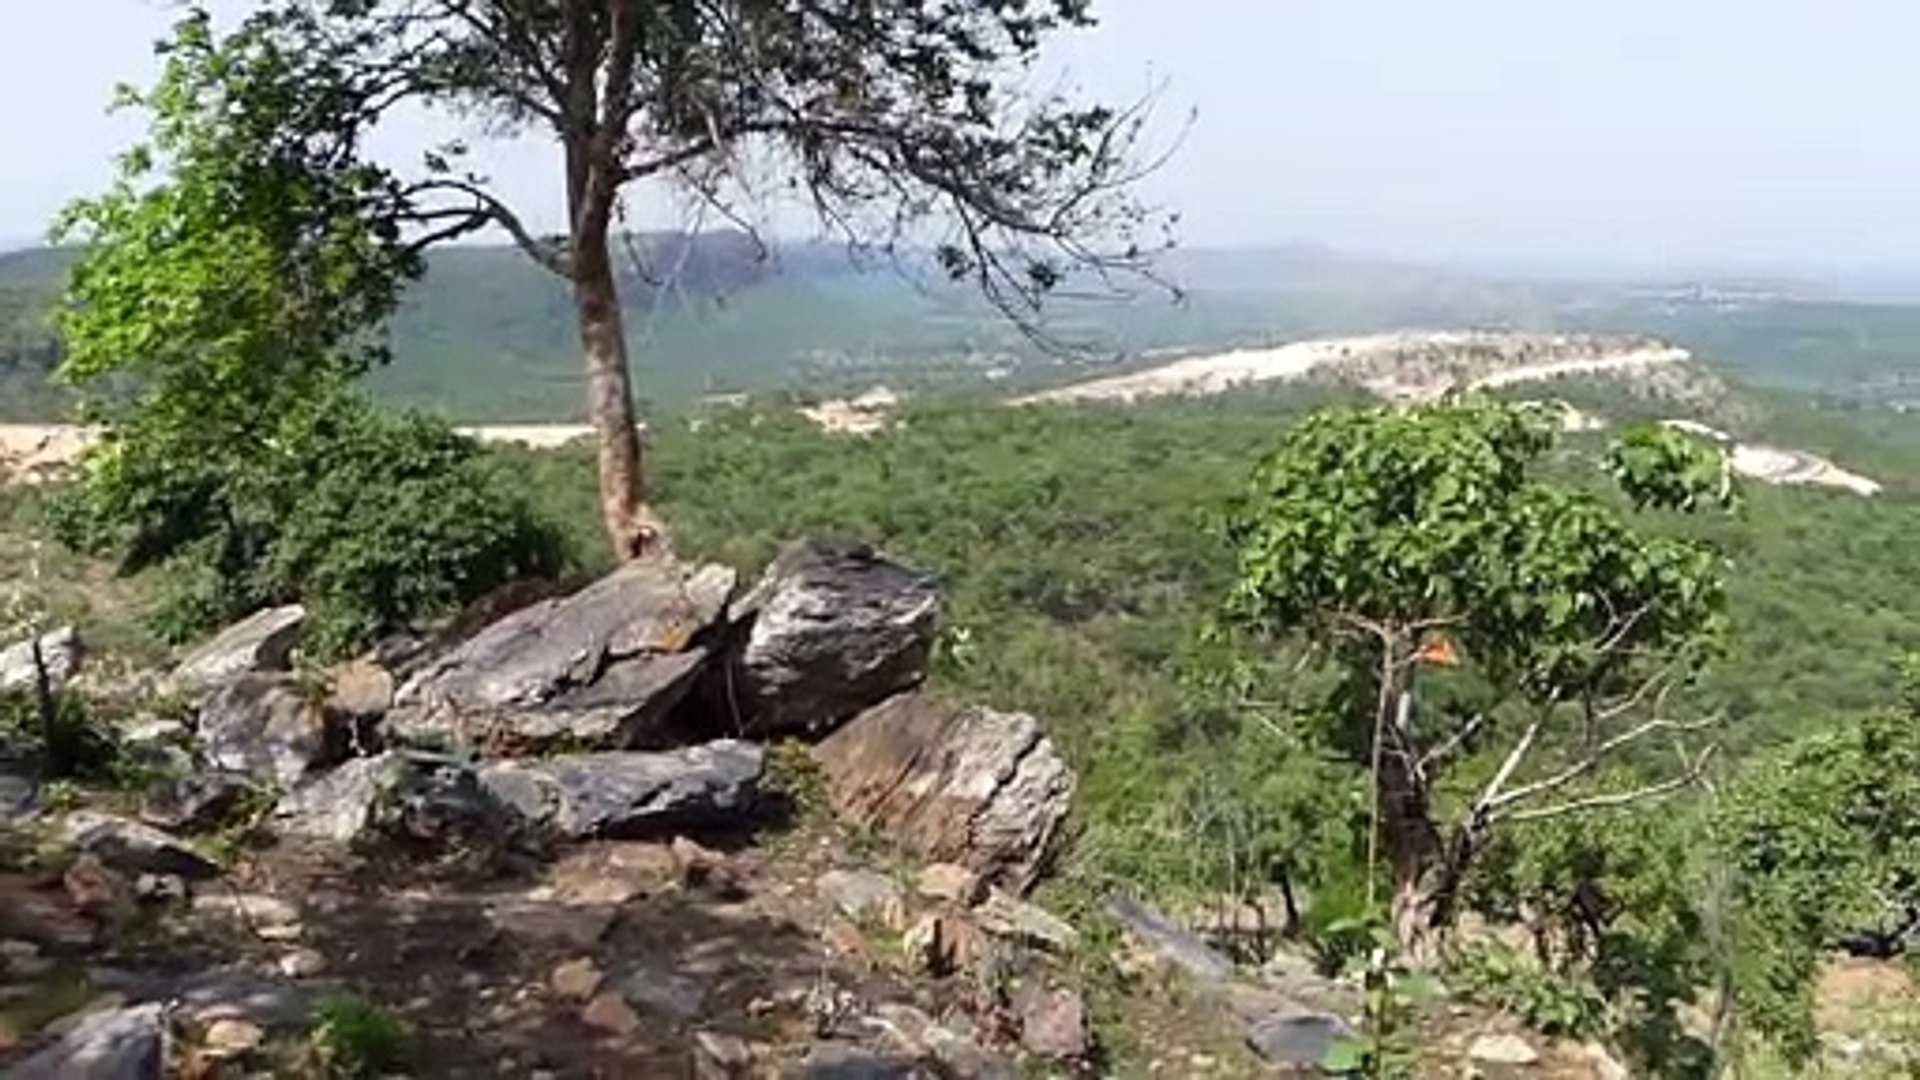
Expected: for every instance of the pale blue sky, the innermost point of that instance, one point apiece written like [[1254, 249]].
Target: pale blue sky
[[1763, 133]]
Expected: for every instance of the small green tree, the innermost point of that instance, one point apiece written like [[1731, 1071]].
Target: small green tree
[[1823, 841], [229, 294], [1399, 539]]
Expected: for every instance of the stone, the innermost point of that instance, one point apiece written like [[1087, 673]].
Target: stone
[[61, 654], [941, 944], [96, 890], [263, 641], [362, 690], [664, 992], [538, 921], [829, 630], [720, 1057], [23, 959], [914, 1034], [128, 1043], [1171, 944], [235, 993], [576, 980], [1016, 920], [633, 793], [131, 847], [1604, 1065], [159, 889], [228, 1038], [836, 1061], [1503, 1048], [302, 963], [255, 910], [407, 796], [1284, 1032], [971, 786], [264, 726], [600, 669], [708, 872], [199, 800], [1054, 1024], [609, 1012], [864, 896], [950, 883]]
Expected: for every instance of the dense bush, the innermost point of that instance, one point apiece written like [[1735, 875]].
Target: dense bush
[[375, 520]]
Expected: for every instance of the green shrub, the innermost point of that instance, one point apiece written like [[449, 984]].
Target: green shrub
[[374, 520], [356, 1038], [70, 744], [1553, 1004]]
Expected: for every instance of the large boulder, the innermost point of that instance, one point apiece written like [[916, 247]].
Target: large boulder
[[60, 653], [133, 847], [965, 785], [602, 668], [263, 641], [829, 630], [269, 727], [622, 794]]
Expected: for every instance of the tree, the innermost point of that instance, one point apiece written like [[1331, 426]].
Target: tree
[[229, 292], [1406, 542], [883, 115]]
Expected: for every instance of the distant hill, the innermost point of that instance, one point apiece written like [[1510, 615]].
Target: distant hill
[[488, 336]]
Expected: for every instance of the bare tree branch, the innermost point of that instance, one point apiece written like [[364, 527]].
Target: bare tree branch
[[1619, 798], [490, 210], [1588, 762]]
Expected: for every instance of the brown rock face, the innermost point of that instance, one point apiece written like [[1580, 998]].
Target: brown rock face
[[971, 786]]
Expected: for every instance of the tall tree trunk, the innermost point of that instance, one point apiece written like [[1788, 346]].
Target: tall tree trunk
[[630, 522]]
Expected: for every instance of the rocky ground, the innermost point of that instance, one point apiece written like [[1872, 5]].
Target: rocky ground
[[667, 825]]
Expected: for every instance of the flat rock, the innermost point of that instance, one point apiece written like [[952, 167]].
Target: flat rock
[[195, 801], [263, 641], [834, 1061], [601, 668], [1006, 916], [115, 1044], [1283, 1031], [60, 651], [658, 989], [544, 922], [228, 1038], [1503, 1048], [829, 630], [972, 786], [362, 689], [401, 796], [1172, 945], [864, 896], [132, 847], [632, 793], [263, 725], [610, 1013]]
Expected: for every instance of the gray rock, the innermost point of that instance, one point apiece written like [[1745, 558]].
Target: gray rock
[[833, 1061], [60, 652], [1054, 1024], [1176, 946], [409, 796], [263, 641], [196, 801], [972, 786], [829, 630], [602, 668], [19, 793], [135, 848], [264, 725], [1016, 920], [1295, 1036], [118, 1044], [632, 793], [914, 1034], [864, 895], [664, 992]]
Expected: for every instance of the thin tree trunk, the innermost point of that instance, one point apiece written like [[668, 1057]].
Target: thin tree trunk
[[630, 523]]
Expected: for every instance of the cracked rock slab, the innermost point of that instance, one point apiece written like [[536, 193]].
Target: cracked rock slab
[[966, 785], [599, 669]]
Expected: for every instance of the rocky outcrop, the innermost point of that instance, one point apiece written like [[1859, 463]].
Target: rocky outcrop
[[264, 641], [601, 668], [266, 726], [829, 630], [972, 786], [398, 795], [60, 653]]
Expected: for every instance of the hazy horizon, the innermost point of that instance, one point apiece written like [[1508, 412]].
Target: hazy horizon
[[1764, 137]]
